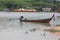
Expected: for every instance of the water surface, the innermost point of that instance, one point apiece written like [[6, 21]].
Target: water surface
[[10, 25]]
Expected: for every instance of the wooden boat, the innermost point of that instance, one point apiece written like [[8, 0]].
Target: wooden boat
[[41, 20]]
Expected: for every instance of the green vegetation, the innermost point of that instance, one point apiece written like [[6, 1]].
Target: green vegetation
[[27, 4], [1, 8], [59, 39], [52, 30]]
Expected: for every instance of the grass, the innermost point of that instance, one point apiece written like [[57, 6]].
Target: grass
[[57, 25], [59, 39], [52, 30]]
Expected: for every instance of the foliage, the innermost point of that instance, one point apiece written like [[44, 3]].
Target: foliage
[[1, 8], [28, 4]]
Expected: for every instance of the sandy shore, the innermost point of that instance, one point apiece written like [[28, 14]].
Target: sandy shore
[[55, 28]]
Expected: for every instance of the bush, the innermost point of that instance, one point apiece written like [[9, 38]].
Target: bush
[[59, 39], [1, 8]]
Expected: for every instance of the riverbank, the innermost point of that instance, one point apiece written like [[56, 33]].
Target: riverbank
[[29, 35], [55, 30]]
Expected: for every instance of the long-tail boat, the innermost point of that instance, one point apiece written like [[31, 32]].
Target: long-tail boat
[[46, 20]]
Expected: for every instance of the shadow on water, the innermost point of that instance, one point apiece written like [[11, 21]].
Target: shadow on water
[[44, 24]]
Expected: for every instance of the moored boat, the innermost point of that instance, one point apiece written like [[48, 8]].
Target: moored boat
[[47, 20]]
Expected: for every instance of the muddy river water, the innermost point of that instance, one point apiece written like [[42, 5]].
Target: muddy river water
[[14, 29]]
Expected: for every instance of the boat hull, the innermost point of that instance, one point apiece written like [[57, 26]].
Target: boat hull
[[41, 21], [47, 20]]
